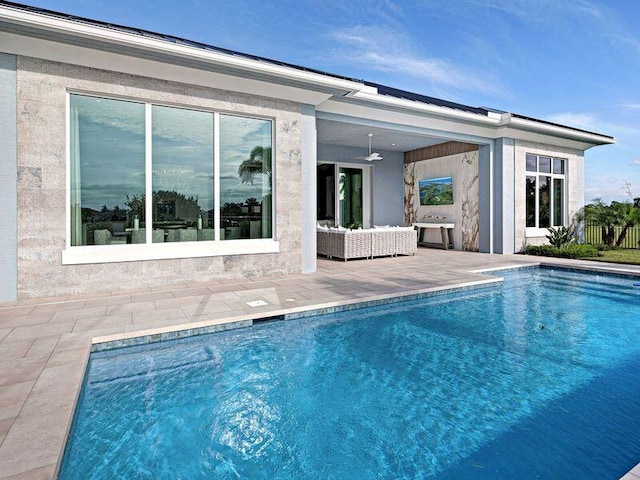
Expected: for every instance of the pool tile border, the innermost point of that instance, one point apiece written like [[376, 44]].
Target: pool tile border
[[111, 342]]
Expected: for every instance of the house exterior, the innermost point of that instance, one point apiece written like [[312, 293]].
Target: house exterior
[[132, 159]]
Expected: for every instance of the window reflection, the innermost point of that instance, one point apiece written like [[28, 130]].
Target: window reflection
[[107, 169], [544, 202], [182, 159], [245, 178], [544, 164], [531, 201], [109, 159], [545, 193], [558, 196]]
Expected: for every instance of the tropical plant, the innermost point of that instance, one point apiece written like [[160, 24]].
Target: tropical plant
[[601, 215], [618, 216], [258, 163], [627, 216], [559, 236]]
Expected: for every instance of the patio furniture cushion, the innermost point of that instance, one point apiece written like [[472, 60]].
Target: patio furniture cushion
[[366, 243]]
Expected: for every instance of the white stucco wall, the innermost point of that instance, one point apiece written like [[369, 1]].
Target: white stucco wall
[[8, 175], [574, 186]]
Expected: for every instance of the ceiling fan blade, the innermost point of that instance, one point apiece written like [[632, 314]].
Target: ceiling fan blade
[[373, 157]]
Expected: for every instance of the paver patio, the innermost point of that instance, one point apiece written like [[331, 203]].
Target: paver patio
[[45, 344]]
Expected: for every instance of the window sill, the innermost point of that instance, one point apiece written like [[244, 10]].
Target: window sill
[[533, 232], [165, 251]]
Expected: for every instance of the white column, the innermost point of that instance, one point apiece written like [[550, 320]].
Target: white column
[[8, 184], [309, 188]]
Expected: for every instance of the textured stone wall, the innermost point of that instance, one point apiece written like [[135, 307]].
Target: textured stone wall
[[41, 122], [463, 168]]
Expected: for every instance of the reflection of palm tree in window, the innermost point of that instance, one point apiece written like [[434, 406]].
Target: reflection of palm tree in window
[[258, 163]]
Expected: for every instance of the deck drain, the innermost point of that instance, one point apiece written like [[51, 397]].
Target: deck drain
[[257, 303]]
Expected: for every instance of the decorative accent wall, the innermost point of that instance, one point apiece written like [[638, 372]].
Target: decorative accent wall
[[463, 168]]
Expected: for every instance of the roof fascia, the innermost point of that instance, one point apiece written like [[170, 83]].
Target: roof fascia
[[96, 37], [500, 125]]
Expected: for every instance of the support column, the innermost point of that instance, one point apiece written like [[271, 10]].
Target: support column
[[485, 191], [504, 195], [309, 188], [8, 180]]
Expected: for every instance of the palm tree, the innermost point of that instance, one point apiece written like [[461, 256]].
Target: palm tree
[[603, 216], [258, 163], [627, 216]]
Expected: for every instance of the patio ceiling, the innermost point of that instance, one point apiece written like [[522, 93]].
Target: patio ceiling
[[331, 132]]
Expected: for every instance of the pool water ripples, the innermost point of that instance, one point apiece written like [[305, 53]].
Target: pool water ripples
[[534, 378]]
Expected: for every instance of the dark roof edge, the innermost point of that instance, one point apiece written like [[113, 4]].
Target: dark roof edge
[[553, 124], [398, 93], [168, 38]]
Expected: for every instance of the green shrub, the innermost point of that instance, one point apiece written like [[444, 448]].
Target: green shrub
[[579, 250], [604, 248], [573, 250], [542, 250]]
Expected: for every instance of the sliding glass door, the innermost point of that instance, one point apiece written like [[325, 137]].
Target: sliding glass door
[[344, 194], [351, 197]]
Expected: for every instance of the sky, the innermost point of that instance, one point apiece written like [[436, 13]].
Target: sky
[[574, 62]]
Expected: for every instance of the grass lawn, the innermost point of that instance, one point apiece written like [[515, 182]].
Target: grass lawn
[[619, 256]]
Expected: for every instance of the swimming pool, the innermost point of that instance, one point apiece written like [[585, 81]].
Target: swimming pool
[[534, 378]]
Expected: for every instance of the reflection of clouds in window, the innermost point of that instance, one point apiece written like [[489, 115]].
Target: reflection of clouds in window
[[183, 153], [111, 150], [122, 115], [108, 188]]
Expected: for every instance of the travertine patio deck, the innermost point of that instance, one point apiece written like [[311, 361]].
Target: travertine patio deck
[[44, 344]]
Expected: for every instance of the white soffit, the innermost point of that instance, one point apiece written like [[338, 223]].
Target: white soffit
[[408, 118], [446, 120], [64, 53]]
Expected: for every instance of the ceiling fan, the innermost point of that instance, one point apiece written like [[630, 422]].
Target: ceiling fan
[[373, 156]]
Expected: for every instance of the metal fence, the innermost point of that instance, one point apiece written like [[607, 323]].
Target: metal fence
[[593, 234]]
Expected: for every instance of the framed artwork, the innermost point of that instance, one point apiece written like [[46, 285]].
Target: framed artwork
[[436, 191]]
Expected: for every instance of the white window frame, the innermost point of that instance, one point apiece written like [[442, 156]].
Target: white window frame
[[538, 231], [87, 254]]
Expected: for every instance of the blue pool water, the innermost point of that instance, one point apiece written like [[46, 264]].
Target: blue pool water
[[460, 386]]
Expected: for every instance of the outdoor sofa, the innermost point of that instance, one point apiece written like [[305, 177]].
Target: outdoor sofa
[[344, 243]]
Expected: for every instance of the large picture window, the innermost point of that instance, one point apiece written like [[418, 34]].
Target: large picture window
[[146, 174], [545, 184]]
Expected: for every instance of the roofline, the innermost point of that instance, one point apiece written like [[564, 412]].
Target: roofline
[[149, 43], [100, 32], [546, 122], [540, 126], [165, 37]]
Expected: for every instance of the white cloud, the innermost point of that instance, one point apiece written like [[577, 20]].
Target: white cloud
[[384, 49], [635, 162], [592, 122], [586, 121], [630, 106], [541, 10], [607, 188]]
